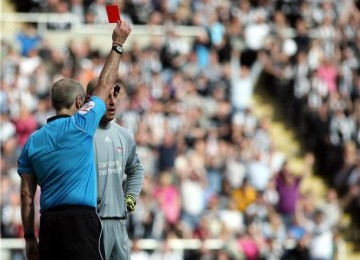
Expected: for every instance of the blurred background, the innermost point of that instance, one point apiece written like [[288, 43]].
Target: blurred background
[[246, 116]]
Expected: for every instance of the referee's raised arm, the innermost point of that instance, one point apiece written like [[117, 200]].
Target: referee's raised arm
[[109, 72]]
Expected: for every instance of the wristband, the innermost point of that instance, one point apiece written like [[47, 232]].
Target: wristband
[[29, 236], [132, 197]]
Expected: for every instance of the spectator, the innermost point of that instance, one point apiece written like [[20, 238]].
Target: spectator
[[248, 245], [235, 168], [232, 218], [275, 230], [297, 239], [288, 187], [258, 211], [256, 33], [331, 210], [60, 7], [167, 152], [97, 9], [168, 197], [28, 39], [243, 79], [321, 241], [244, 196], [77, 8], [11, 218], [259, 172], [7, 128], [25, 125], [193, 195]]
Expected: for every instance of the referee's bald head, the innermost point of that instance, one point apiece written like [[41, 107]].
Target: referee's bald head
[[64, 93]]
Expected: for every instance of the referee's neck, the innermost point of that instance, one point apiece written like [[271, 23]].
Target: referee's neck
[[65, 111]]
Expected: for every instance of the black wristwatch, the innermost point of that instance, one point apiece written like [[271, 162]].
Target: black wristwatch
[[118, 48]]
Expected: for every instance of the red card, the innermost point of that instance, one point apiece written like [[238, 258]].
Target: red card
[[113, 13]]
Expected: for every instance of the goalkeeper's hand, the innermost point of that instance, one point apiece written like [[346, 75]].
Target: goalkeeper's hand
[[130, 201]]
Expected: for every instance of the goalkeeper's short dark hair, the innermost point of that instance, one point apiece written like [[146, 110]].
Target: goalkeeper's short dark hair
[[93, 83]]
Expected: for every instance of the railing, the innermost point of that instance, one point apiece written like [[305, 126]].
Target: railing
[[145, 244], [99, 34], [6, 245]]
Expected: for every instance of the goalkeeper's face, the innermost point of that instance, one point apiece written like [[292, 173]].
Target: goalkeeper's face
[[111, 104]]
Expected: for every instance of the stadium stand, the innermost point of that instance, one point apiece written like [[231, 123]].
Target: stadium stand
[[220, 182]]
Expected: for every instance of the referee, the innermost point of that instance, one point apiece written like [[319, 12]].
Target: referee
[[60, 159]]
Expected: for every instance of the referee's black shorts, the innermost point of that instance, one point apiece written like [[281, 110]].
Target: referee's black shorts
[[70, 233]]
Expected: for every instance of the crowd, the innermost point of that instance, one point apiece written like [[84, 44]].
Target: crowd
[[211, 169], [318, 90]]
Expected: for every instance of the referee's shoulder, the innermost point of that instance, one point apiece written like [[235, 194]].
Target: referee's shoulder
[[38, 132]]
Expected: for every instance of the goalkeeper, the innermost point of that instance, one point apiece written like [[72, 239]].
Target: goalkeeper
[[115, 154]]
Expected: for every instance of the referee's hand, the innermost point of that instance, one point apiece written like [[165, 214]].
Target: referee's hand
[[121, 32], [32, 249]]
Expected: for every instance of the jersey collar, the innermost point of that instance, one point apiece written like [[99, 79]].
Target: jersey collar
[[56, 117]]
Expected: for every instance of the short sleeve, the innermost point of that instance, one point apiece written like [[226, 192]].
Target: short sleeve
[[88, 117], [24, 163]]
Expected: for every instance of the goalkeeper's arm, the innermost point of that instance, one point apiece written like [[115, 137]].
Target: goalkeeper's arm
[[135, 176]]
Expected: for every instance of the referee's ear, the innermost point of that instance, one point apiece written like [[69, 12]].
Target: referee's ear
[[79, 102]]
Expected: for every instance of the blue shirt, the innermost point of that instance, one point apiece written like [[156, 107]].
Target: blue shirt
[[28, 42], [61, 156]]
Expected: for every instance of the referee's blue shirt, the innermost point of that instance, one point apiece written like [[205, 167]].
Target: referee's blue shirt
[[61, 156]]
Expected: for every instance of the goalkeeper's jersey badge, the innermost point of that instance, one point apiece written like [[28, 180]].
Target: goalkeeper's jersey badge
[[119, 149]]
